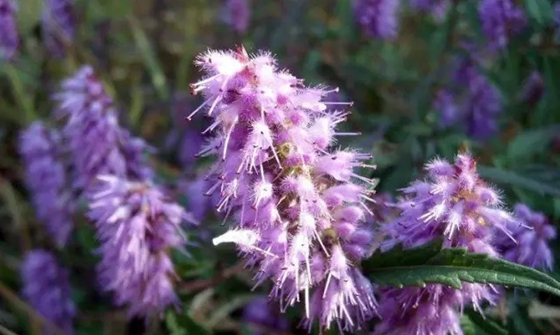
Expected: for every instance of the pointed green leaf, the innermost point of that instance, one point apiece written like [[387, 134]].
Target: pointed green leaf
[[433, 264], [514, 179], [485, 324], [540, 10]]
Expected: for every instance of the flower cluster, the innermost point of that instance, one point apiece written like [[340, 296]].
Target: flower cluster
[[46, 287], [531, 237], [455, 203], [477, 109], [58, 25], [237, 14], [9, 37], [261, 314], [501, 19], [137, 226], [378, 18], [45, 177], [298, 208], [97, 142]]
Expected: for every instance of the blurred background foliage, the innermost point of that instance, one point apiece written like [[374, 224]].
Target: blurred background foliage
[[144, 51]]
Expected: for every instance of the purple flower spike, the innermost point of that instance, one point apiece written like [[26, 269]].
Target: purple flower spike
[[137, 226], [45, 177], [532, 237], [97, 142], [46, 287], [455, 203], [501, 19], [378, 18], [9, 37], [298, 206], [261, 313], [482, 102], [237, 14], [59, 26]]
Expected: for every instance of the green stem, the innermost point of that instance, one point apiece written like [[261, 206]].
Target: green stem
[[23, 98]]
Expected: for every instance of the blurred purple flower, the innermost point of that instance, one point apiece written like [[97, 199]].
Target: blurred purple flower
[[97, 143], [9, 37], [456, 204], [137, 227], [46, 286], [533, 89], [237, 14], [190, 146], [447, 107], [501, 19], [299, 209], [58, 26], [261, 313], [45, 177], [482, 104], [532, 237], [378, 18]]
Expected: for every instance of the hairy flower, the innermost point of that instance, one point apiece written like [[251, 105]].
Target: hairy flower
[[97, 142], [46, 286], [298, 208], [58, 25], [501, 19], [531, 237], [9, 37], [455, 203], [378, 18], [137, 227], [237, 14], [45, 177], [260, 312]]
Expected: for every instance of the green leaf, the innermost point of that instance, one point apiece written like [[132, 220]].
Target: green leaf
[[485, 324], [183, 324], [540, 10], [531, 142], [431, 263], [514, 179]]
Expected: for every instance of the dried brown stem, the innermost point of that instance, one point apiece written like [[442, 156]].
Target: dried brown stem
[[201, 284]]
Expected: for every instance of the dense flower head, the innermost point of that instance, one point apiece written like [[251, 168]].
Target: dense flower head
[[378, 18], [46, 286], [261, 313], [531, 237], [137, 226], [237, 14], [45, 177], [9, 37], [501, 19], [299, 208], [475, 104], [58, 25], [453, 202], [97, 142]]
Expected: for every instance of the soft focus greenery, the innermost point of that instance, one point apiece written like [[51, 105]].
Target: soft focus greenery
[[144, 50]]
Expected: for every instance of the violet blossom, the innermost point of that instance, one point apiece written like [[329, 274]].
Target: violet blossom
[[137, 226], [45, 177], [454, 203], [530, 245], [237, 14], [58, 25], [262, 314], [501, 19], [46, 286], [97, 142], [298, 208], [9, 37], [378, 18]]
